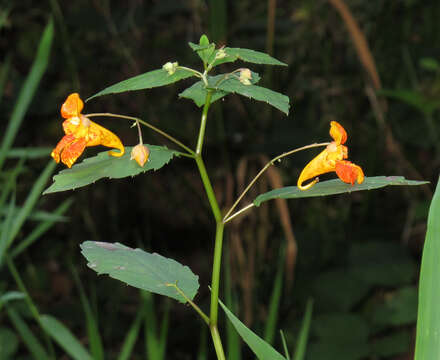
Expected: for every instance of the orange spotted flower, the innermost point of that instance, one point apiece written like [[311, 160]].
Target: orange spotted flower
[[332, 158], [80, 133]]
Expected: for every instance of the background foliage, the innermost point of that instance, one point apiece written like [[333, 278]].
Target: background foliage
[[358, 255]]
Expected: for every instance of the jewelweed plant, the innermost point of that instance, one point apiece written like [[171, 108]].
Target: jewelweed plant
[[153, 272]]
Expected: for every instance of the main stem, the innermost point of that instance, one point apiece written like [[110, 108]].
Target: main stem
[[215, 283]]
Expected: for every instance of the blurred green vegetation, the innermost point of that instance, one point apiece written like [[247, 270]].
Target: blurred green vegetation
[[358, 255]]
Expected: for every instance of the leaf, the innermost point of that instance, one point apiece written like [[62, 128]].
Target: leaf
[[138, 268], [429, 64], [303, 336], [147, 80], [253, 56], [204, 49], [277, 100], [104, 165], [27, 336], [11, 295], [333, 187], [399, 308], [62, 335], [428, 321], [370, 263], [198, 91], [259, 347], [27, 91], [8, 343], [413, 98]]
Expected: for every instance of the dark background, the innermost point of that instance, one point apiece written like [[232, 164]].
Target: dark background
[[358, 254]]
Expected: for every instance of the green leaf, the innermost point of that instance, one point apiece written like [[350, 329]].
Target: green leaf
[[104, 165], [29, 152], [27, 336], [399, 308], [339, 290], [147, 80], [252, 56], [204, 49], [429, 64], [8, 343], [198, 91], [131, 336], [62, 335], [413, 98], [259, 347], [31, 199], [27, 91], [11, 295], [370, 263], [303, 336], [333, 187], [277, 100], [138, 268], [428, 321]]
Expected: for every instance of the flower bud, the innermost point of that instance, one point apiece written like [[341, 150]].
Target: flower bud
[[140, 153], [220, 54], [170, 67], [245, 76]]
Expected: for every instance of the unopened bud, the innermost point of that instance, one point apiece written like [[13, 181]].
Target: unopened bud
[[220, 54], [245, 76], [140, 153], [170, 67]]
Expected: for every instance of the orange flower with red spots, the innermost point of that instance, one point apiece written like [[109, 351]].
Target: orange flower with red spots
[[81, 132], [332, 158]]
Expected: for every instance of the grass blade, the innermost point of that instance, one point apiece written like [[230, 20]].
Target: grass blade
[[27, 91], [6, 225], [428, 321], [27, 336], [30, 202], [301, 343], [164, 330], [10, 182], [29, 153], [233, 341], [94, 337], [151, 340], [260, 348], [62, 335], [286, 350], [132, 336], [41, 228], [270, 329]]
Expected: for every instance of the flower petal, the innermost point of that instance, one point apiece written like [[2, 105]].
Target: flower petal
[[349, 172], [323, 163], [338, 133], [98, 135], [66, 140], [72, 106], [73, 151], [140, 154]]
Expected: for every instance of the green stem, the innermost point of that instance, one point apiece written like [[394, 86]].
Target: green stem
[[217, 342], [215, 283], [216, 266], [228, 216], [201, 136], [145, 123], [193, 304], [208, 189]]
